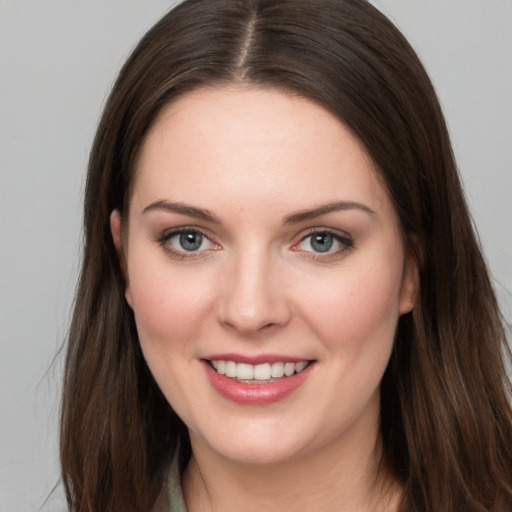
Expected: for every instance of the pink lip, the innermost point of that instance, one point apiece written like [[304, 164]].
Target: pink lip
[[255, 394], [263, 358]]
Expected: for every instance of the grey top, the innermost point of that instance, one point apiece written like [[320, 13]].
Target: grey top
[[171, 498]]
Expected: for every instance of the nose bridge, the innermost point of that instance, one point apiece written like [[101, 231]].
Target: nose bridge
[[253, 299]]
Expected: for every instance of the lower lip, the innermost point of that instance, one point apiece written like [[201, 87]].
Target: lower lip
[[256, 394]]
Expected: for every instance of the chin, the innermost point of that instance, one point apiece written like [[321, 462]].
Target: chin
[[263, 446], [259, 454]]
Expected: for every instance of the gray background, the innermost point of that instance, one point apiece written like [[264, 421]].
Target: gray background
[[58, 59]]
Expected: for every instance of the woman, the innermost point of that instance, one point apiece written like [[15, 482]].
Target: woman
[[282, 301]]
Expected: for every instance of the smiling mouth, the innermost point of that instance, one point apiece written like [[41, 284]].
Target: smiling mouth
[[259, 373]]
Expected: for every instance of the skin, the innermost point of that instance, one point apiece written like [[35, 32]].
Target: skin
[[252, 158]]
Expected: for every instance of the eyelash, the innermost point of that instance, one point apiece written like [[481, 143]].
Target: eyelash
[[345, 241], [165, 238]]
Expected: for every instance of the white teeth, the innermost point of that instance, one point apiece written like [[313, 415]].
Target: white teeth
[[230, 369], [277, 370], [289, 369], [262, 372], [300, 366], [244, 371]]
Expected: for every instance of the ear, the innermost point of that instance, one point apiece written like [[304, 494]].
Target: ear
[[117, 237], [410, 285]]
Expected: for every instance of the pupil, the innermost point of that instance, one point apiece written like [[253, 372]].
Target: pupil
[[191, 241], [322, 243]]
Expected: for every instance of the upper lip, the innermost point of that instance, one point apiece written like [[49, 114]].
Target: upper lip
[[258, 359]]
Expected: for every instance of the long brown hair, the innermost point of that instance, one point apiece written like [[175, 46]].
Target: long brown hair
[[446, 420]]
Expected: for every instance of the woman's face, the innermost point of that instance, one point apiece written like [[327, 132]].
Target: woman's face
[[260, 242]]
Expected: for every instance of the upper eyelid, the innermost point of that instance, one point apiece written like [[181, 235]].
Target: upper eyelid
[[170, 232], [164, 242], [330, 231], [342, 238]]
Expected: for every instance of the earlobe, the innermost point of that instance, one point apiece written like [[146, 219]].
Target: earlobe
[[410, 286], [116, 230]]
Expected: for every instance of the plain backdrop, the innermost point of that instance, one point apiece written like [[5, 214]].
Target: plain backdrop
[[58, 58]]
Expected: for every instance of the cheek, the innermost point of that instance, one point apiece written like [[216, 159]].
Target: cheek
[[168, 303], [358, 311]]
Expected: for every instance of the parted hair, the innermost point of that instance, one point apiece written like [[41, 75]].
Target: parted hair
[[446, 419]]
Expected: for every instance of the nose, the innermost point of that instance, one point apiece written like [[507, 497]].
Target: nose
[[253, 295]]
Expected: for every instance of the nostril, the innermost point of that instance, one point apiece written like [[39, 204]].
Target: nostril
[[250, 305], [250, 329]]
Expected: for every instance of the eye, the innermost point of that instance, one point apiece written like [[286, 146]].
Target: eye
[[190, 241], [186, 242], [327, 243], [320, 242]]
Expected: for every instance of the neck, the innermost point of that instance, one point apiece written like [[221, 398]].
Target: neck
[[344, 476]]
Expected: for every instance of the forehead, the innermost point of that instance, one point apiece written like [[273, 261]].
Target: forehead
[[253, 144]]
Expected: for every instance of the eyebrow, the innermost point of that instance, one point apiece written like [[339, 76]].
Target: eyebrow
[[335, 206], [183, 209], [295, 218]]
